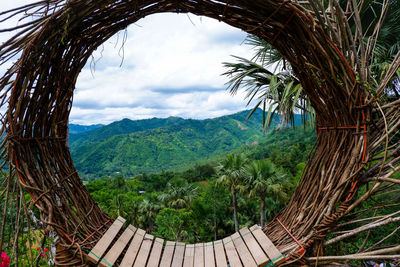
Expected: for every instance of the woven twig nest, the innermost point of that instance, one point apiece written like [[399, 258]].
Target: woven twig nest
[[38, 89]]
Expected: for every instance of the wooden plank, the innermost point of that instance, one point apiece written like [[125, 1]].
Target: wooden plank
[[178, 255], [209, 259], [267, 245], [233, 257], [131, 253], [116, 250], [102, 245], [255, 249], [168, 253], [220, 256], [243, 251], [155, 254], [189, 256], [144, 251], [199, 255]]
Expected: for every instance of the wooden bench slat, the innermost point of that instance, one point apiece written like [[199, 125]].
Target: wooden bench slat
[[256, 251], [178, 255], [233, 257], [199, 255], [130, 254], [220, 256], [249, 248], [155, 254], [269, 248], [189, 256], [144, 251], [168, 253], [116, 250], [102, 245], [209, 259], [243, 251]]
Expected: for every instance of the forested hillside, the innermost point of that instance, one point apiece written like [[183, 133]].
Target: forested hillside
[[153, 145], [125, 126], [195, 205]]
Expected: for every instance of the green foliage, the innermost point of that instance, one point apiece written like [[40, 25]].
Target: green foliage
[[196, 195], [276, 91], [174, 224], [179, 196], [264, 178], [230, 172]]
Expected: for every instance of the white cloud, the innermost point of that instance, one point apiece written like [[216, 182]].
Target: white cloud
[[164, 54]]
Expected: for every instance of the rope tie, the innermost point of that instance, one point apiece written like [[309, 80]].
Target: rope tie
[[96, 230], [284, 26], [300, 251], [271, 263]]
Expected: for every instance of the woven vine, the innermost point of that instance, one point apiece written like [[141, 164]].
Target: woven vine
[[357, 122]]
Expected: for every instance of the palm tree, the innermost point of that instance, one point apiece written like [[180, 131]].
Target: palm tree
[[179, 197], [269, 81], [148, 210], [265, 179], [230, 173]]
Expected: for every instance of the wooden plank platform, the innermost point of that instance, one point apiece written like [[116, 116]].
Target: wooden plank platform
[[199, 255], [266, 244], [102, 245], [134, 247], [189, 256], [209, 259], [177, 261], [220, 256], [255, 249], [144, 251], [231, 252], [118, 247], [155, 254], [243, 251], [168, 253]]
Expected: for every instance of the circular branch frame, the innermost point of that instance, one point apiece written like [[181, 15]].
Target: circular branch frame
[[38, 90]]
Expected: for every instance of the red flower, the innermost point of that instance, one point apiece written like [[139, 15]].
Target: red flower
[[45, 250], [5, 260], [38, 248]]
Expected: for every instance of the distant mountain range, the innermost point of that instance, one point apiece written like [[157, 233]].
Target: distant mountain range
[[152, 145], [76, 128]]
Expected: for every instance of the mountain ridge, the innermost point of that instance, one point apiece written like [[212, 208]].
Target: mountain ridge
[[152, 145]]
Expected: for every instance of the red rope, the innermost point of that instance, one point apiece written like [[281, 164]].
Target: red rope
[[96, 231], [22, 179], [337, 127], [364, 127], [284, 26], [301, 251], [301, 13]]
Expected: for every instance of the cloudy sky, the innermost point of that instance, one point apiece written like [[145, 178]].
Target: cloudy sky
[[171, 66]]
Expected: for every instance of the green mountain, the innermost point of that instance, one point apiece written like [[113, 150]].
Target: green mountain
[[154, 145], [124, 126], [76, 128]]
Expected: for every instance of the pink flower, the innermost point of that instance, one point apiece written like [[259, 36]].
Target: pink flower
[[5, 260]]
